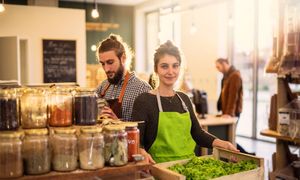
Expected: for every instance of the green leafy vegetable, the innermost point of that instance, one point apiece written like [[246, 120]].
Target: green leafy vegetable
[[209, 168]]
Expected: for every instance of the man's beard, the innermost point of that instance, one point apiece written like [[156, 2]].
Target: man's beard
[[117, 77]]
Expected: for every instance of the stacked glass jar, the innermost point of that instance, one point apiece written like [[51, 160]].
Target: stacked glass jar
[[85, 107], [11, 164], [64, 149], [133, 136], [116, 147], [91, 148], [90, 140], [36, 151], [36, 146], [60, 107]]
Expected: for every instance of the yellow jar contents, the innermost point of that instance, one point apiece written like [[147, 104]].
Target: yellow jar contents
[[36, 152], [11, 164], [91, 148], [34, 108]]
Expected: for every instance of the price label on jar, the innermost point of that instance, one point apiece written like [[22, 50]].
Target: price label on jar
[[284, 118]]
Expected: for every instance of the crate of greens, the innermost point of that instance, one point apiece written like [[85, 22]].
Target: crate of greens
[[222, 165]]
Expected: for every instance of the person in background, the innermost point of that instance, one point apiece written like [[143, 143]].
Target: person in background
[[230, 101], [170, 130], [121, 86], [231, 98]]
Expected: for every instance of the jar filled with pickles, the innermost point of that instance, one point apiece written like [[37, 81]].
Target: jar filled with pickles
[[34, 108], [91, 148], [116, 151], [11, 163], [64, 149], [9, 110], [36, 152], [85, 106], [60, 107]]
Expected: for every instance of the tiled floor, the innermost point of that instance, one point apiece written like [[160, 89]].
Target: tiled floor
[[261, 148]]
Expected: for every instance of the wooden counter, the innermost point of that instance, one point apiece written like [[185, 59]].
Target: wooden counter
[[213, 120], [112, 173]]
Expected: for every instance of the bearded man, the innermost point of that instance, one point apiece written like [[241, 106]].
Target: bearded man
[[121, 86]]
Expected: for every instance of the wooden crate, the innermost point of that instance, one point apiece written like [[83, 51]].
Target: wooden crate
[[161, 171]]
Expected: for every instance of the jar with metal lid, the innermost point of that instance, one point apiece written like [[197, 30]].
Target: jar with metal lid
[[36, 151], [86, 111], [133, 136], [60, 107], [11, 163], [116, 151], [91, 148], [64, 149], [9, 110], [34, 108]]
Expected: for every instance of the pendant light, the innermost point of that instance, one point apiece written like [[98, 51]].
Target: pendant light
[[193, 28], [2, 8], [95, 13]]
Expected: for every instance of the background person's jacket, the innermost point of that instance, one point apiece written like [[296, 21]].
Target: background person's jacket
[[232, 93]]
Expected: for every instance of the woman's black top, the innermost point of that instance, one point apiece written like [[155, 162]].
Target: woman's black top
[[145, 108]]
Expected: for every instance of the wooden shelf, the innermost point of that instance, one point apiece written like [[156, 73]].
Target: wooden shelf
[[126, 172], [90, 26], [276, 135]]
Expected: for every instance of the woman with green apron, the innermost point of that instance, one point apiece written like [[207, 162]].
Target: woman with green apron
[[171, 129]]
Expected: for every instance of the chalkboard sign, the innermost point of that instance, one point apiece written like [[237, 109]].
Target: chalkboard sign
[[59, 58]]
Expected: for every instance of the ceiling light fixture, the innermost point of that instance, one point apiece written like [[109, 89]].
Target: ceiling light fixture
[[193, 28], [95, 13], [93, 47], [2, 8]]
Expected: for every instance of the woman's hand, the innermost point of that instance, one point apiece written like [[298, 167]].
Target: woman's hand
[[147, 156], [224, 144]]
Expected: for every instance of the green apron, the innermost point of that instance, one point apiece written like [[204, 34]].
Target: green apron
[[173, 140]]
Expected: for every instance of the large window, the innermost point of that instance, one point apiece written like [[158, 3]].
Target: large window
[[162, 25], [253, 40]]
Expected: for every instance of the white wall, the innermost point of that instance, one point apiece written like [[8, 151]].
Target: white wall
[[35, 23], [200, 49], [205, 46]]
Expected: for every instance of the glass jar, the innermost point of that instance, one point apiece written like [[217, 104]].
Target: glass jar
[[60, 110], [36, 151], [294, 126], [64, 149], [86, 111], [91, 145], [133, 136], [11, 164], [101, 103], [34, 108], [116, 151], [9, 110]]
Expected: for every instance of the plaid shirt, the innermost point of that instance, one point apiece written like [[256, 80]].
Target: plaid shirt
[[134, 88]]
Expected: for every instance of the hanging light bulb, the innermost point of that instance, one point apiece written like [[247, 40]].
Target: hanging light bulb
[[95, 13], [93, 47], [2, 8], [193, 28]]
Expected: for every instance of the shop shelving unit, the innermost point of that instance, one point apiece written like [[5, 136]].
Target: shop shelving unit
[[281, 157]]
